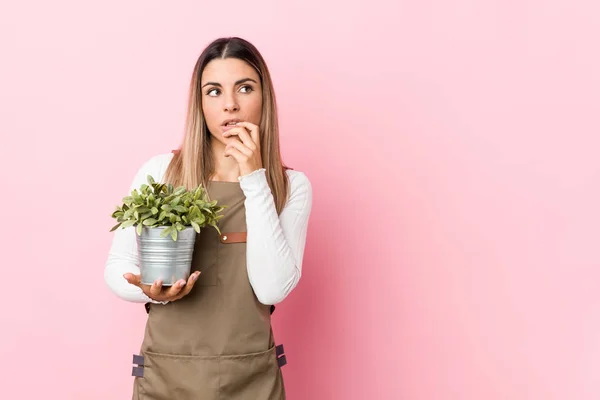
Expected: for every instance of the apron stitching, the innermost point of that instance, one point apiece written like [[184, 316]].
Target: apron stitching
[[190, 357], [219, 378], [216, 265]]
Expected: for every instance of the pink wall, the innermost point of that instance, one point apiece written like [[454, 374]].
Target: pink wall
[[452, 146]]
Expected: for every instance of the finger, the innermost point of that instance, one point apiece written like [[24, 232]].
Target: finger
[[231, 151], [241, 147], [253, 130], [132, 279], [243, 135], [190, 284], [156, 288], [175, 288]]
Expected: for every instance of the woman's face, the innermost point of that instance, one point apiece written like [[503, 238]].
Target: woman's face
[[231, 90]]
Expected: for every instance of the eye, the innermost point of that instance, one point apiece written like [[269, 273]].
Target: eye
[[246, 89], [213, 92]]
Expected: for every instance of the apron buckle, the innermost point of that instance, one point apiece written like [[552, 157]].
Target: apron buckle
[[139, 360], [279, 350], [281, 360], [139, 370]]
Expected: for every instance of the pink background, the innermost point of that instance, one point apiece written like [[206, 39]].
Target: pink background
[[452, 147]]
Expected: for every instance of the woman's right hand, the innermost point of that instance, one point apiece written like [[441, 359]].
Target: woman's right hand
[[169, 293]]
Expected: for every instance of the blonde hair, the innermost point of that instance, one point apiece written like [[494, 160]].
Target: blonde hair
[[193, 163]]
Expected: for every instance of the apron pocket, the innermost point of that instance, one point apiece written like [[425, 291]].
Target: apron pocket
[[251, 376], [168, 377]]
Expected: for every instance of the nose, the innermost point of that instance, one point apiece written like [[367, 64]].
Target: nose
[[231, 107], [231, 104]]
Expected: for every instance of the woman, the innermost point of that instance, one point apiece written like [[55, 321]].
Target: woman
[[211, 337]]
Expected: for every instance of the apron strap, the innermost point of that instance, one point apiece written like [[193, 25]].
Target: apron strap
[[234, 237]]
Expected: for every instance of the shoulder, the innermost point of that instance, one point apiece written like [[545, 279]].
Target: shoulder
[[156, 165], [300, 186], [298, 179], [158, 161]]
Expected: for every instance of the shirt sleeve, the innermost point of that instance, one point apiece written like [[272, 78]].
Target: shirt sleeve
[[123, 256], [275, 243]]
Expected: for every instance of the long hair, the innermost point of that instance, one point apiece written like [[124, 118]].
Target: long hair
[[192, 164]]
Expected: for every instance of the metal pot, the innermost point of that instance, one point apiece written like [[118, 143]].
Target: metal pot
[[162, 257]]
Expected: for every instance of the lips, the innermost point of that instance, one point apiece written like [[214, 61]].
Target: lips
[[229, 124]]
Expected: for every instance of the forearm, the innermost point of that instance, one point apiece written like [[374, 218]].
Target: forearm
[[275, 243], [122, 259]]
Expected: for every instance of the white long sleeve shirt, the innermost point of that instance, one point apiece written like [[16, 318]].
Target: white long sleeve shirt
[[275, 243]]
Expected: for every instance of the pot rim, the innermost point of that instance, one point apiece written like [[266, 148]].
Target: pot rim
[[168, 226]]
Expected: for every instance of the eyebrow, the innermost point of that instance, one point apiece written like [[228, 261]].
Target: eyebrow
[[236, 83]]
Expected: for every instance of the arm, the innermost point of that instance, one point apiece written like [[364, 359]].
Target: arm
[[275, 243], [122, 256]]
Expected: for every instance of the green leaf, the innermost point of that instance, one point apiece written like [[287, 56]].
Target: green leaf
[[180, 209], [150, 180], [214, 225], [149, 222], [139, 229], [196, 226], [117, 213], [115, 227], [174, 234], [129, 213], [166, 232], [163, 215], [128, 224]]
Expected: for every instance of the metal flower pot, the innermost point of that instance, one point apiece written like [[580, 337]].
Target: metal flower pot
[[162, 257]]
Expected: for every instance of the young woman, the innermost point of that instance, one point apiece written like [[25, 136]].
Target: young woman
[[211, 337]]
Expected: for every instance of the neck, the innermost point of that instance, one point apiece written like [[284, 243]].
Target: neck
[[226, 168]]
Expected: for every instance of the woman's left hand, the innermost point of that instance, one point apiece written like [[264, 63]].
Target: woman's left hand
[[246, 150]]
